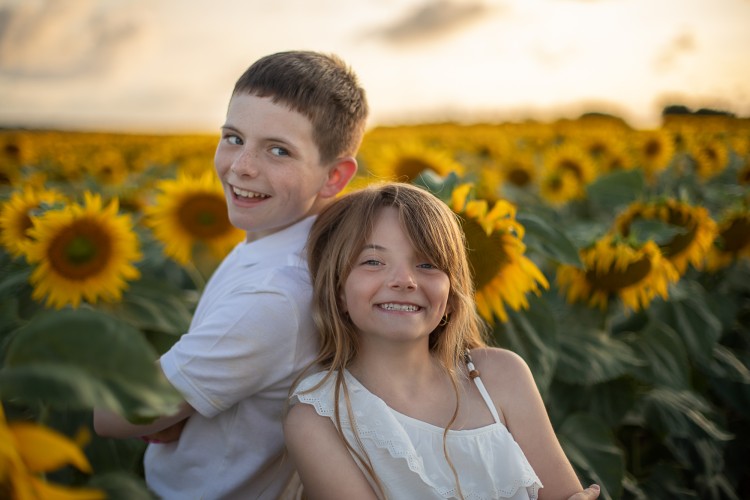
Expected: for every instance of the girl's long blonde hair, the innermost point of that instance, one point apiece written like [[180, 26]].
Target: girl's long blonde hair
[[336, 239]]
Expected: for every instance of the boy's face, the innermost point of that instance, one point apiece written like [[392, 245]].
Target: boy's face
[[270, 166]]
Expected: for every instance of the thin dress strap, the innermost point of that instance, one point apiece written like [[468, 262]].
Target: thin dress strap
[[474, 374]]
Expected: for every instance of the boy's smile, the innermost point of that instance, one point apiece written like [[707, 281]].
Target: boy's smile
[[242, 194], [269, 165]]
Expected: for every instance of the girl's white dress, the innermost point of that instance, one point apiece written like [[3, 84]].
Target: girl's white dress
[[407, 454]]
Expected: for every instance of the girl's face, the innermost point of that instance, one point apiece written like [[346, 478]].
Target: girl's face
[[392, 293]]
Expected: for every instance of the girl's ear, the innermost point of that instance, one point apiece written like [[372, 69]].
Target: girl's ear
[[342, 303]]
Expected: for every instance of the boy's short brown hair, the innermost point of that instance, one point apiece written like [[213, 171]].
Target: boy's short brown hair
[[319, 86]]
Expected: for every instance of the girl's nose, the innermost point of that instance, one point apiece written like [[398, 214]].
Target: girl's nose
[[402, 279]]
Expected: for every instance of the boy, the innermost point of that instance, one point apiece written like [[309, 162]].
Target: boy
[[294, 124]]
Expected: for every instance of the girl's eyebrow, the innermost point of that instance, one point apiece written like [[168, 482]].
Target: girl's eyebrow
[[373, 246]]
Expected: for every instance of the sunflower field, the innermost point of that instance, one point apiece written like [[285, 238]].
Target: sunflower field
[[614, 260]]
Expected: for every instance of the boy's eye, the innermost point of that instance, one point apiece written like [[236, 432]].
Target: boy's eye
[[279, 151], [233, 139]]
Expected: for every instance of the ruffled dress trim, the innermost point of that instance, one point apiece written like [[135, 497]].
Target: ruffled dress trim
[[492, 464]]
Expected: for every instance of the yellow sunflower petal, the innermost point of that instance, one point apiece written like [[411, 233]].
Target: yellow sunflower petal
[[50, 491], [44, 449]]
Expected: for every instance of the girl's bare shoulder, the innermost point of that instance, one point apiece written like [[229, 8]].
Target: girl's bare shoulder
[[505, 374], [496, 361]]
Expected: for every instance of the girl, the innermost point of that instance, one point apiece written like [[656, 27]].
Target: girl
[[400, 409]]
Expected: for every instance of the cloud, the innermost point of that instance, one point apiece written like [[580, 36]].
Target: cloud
[[682, 44], [431, 21], [65, 38]]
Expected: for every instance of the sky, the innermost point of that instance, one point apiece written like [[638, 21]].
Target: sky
[[169, 66]]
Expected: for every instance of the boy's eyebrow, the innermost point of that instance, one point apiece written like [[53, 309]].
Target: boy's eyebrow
[[231, 128], [227, 126]]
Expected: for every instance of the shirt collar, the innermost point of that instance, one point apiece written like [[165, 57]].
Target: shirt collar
[[290, 240]]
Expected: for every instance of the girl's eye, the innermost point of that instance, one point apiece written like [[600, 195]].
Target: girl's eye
[[427, 265], [279, 151], [371, 262]]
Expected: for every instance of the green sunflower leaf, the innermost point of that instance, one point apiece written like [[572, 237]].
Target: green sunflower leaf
[[664, 353], [84, 359], [548, 240], [592, 450], [616, 189], [590, 356], [681, 413]]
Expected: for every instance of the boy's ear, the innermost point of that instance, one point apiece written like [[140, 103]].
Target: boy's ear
[[339, 175]]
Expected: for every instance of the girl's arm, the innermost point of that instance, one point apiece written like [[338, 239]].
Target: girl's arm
[[511, 386], [325, 466]]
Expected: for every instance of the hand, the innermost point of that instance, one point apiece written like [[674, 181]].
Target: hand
[[588, 494], [170, 434]]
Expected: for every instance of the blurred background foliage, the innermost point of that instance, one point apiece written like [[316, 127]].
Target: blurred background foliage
[[616, 261]]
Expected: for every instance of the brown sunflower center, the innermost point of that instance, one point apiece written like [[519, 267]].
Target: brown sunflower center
[[736, 237], [24, 224], [204, 216], [81, 251], [616, 279], [744, 176], [410, 167], [571, 166], [518, 176], [598, 149], [680, 242], [652, 149], [486, 253]]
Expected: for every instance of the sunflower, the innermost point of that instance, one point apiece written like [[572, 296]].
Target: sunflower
[[711, 156], [502, 274], [614, 268], [26, 451], [733, 240], [405, 160], [653, 150], [82, 252], [559, 188], [16, 213], [107, 165], [518, 170], [18, 148], [743, 176], [688, 247], [192, 211], [567, 171]]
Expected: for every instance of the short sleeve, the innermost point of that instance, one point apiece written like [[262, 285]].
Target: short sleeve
[[243, 346]]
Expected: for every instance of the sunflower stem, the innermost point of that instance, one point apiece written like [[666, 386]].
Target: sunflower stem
[[605, 320], [195, 275]]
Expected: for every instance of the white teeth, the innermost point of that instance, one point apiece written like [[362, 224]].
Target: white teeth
[[247, 194], [399, 307]]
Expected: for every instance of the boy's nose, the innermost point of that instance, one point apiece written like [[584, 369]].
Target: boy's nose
[[245, 165]]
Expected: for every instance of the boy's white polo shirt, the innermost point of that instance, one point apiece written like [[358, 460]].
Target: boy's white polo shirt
[[252, 333]]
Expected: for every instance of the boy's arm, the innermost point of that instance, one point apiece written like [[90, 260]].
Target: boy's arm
[[110, 424]]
